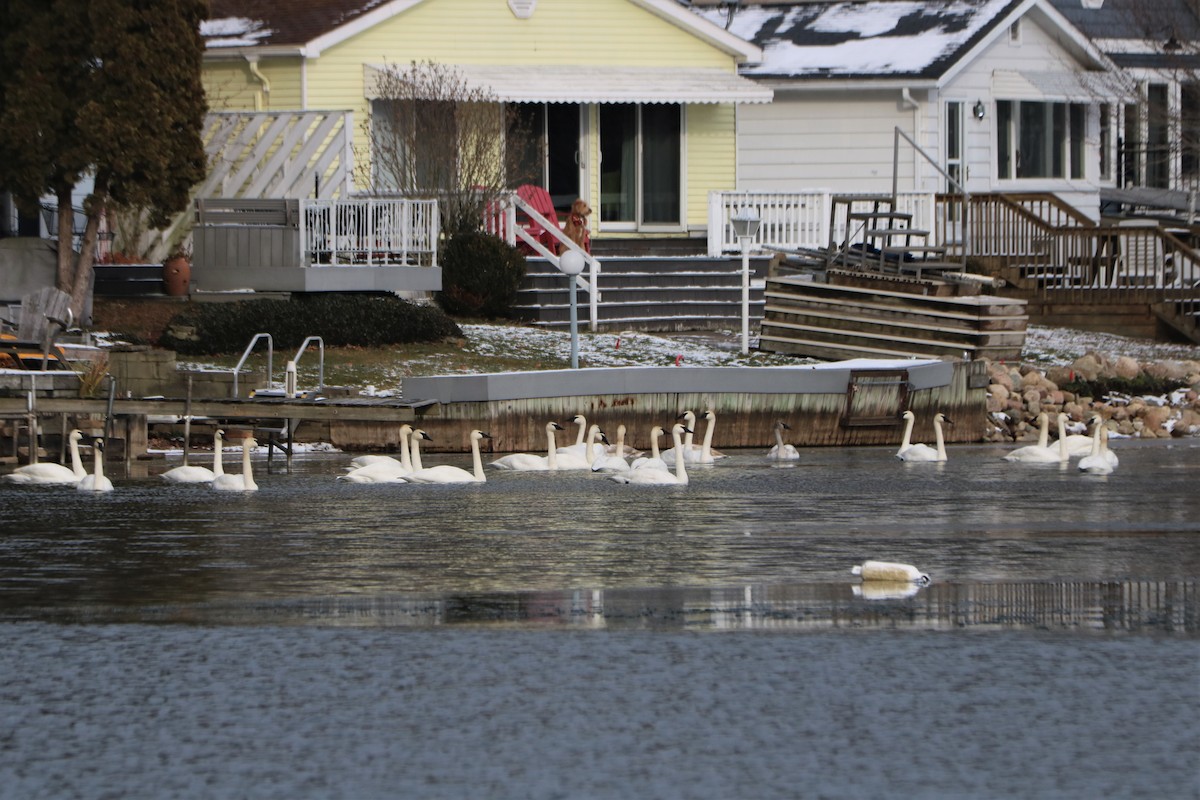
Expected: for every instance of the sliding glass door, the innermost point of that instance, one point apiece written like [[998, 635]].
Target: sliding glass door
[[641, 166]]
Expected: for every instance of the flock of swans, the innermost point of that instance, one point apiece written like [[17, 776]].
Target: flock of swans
[[591, 451], [50, 474], [1096, 458]]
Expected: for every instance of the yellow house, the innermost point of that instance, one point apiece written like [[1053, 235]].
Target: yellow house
[[634, 101]]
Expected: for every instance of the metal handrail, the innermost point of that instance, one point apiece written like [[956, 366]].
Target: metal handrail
[[245, 355], [966, 226], [321, 354]]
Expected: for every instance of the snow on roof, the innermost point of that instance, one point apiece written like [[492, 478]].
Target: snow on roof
[[233, 32], [874, 38]]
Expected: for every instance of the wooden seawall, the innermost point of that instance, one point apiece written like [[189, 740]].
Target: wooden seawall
[[844, 403]]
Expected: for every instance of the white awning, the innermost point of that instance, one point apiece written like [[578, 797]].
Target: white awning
[[543, 83], [1065, 86]]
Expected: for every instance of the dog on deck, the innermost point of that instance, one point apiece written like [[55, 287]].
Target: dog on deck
[[576, 226]]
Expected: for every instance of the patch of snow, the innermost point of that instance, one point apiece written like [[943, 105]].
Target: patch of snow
[[233, 32]]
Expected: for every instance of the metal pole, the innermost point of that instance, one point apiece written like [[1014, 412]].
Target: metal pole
[[745, 240], [574, 326], [187, 421]]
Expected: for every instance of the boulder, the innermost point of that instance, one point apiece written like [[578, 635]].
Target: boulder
[[1126, 367], [1088, 366]]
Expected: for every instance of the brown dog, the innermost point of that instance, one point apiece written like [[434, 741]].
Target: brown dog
[[576, 226]]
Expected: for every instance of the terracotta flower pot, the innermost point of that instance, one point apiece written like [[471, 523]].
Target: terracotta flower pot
[[177, 274]]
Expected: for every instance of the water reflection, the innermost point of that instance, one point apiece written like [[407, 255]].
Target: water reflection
[[589, 547]]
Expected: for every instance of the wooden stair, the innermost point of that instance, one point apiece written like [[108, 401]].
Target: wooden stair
[[857, 316]]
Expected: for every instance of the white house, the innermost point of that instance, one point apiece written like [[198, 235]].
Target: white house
[[1003, 95]]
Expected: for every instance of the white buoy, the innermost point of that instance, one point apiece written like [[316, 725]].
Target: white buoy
[[890, 571]]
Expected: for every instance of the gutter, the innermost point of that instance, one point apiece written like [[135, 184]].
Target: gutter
[[263, 96]]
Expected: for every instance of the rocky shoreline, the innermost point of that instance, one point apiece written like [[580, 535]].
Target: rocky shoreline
[[1018, 393]]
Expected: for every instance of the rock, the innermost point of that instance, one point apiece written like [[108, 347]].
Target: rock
[[1126, 367], [1060, 375], [1088, 366], [1167, 370], [1155, 416], [999, 393]]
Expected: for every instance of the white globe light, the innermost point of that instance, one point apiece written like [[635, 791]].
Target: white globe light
[[571, 263]]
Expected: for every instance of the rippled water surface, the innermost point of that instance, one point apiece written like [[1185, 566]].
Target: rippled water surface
[[560, 635]]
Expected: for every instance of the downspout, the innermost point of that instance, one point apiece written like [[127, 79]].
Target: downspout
[[910, 102], [263, 96]]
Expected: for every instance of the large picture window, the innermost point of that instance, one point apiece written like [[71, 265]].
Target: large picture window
[[1040, 140]]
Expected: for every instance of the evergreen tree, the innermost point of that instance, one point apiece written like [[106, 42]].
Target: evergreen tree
[[109, 88]]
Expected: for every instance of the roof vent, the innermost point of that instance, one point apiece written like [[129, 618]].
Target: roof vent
[[522, 9]]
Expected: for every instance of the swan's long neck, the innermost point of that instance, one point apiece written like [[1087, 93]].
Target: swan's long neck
[[218, 461], [654, 446], [779, 437], [551, 450], [691, 429], [1064, 453], [680, 470], [590, 455], [247, 473], [1096, 439], [477, 460], [415, 456], [1044, 431], [941, 440], [405, 455], [708, 434], [908, 429], [76, 461], [579, 437], [98, 463]]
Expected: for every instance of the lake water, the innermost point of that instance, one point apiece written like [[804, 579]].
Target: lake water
[[560, 635]]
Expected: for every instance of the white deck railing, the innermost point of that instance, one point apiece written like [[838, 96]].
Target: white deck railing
[[370, 232], [796, 220], [502, 222]]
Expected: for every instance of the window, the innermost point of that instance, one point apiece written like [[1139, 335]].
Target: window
[[1014, 32], [1158, 137], [1040, 140], [1189, 125]]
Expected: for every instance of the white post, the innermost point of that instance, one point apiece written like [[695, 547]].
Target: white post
[[571, 263], [745, 224]]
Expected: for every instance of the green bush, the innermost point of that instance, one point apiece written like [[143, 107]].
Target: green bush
[[339, 319], [1143, 384], [480, 275]]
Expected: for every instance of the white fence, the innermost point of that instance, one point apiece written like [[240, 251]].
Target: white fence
[[798, 220], [373, 232]]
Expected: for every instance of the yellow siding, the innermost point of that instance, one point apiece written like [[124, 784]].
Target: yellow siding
[[711, 157], [600, 32], [227, 86]]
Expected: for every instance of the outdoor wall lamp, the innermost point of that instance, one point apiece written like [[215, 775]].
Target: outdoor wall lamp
[[571, 263], [980, 109], [745, 226]]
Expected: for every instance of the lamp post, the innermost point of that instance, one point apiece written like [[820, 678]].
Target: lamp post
[[571, 264], [745, 224]]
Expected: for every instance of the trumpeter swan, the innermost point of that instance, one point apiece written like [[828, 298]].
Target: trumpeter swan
[[192, 474], [780, 451], [1043, 452], [890, 571], [612, 461], [244, 482], [531, 462], [654, 460], [97, 481], [660, 477], [445, 473], [584, 458], [405, 460], [1104, 451], [48, 473], [1095, 462], [387, 469], [702, 453], [580, 446], [923, 452]]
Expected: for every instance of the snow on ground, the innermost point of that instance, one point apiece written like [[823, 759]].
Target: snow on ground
[[1049, 347]]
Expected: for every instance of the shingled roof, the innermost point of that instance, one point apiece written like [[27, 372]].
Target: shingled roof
[[878, 38], [278, 23]]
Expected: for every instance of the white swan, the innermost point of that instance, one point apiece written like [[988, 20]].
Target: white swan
[[192, 474], [612, 461], [445, 473], [697, 454], [1109, 455], [583, 458], [1095, 462], [47, 473], [97, 481], [374, 458], [660, 477], [1043, 452], [531, 462], [385, 469], [780, 451], [580, 446], [228, 482], [654, 460], [923, 452]]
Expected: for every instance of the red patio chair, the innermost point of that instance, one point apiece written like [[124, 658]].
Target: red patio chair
[[539, 199]]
